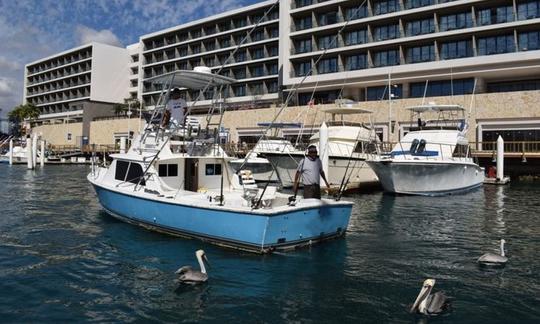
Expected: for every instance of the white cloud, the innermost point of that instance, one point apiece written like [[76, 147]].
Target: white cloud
[[6, 64], [5, 87], [86, 35]]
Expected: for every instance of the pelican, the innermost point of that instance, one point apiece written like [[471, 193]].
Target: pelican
[[492, 259], [428, 304], [187, 274]]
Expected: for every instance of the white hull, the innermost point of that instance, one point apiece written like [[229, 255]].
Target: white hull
[[427, 178], [360, 173]]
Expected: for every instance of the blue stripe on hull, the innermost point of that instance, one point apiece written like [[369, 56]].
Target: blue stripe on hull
[[257, 233]]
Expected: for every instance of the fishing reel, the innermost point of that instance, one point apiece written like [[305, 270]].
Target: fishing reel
[[292, 201]]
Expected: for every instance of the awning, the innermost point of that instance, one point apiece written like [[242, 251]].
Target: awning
[[194, 80]]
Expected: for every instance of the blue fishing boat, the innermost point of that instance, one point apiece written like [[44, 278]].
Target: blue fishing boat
[[173, 182]]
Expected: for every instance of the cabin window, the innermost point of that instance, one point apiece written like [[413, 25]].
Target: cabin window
[[121, 170], [213, 169], [414, 146], [135, 174], [421, 147], [461, 151], [168, 170]]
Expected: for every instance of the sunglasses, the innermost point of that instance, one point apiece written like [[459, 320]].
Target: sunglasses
[[310, 152]]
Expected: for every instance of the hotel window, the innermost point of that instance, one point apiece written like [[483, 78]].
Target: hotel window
[[381, 92], [525, 85], [302, 68], [421, 54], [257, 71], [272, 86], [409, 4], [528, 10], [258, 53], [240, 56], [419, 27], [195, 48], [272, 51], [386, 32], [183, 51], [303, 3], [256, 89], [303, 23], [209, 61], [327, 18], [385, 6], [386, 58], [529, 41], [325, 42], [274, 32], [257, 36], [240, 22], [239, 90], [496, 45], [456, 21], [225, 42], [356, 62], [356, 37], [272, 68], [328, 65], [441, 88], [210, 46], [356, 13], [239, 73], [303, 46], [457, 49], [495, 15]]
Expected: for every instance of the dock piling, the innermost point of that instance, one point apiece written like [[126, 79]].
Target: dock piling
[[10, 152], [29, 163]]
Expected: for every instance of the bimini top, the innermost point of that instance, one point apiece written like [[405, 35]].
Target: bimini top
[[435, 108], [280, 125], [195, 80]]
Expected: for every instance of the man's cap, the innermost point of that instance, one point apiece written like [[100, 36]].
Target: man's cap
[[176, 91]]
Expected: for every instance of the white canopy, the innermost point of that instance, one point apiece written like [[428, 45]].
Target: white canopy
[[435, 108], [194, 80], [346, 111]]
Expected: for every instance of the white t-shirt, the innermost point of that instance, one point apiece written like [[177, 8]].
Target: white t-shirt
[[310, 171], [176, 108]]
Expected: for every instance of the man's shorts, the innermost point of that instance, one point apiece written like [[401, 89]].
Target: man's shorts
[[312, 191]]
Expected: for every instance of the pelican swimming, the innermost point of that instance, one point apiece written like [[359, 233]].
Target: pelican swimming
[[492, 259], [428, 304], [187, 274]]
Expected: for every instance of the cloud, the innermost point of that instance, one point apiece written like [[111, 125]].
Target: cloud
[[86, 35], [5, 87], [6, 64]]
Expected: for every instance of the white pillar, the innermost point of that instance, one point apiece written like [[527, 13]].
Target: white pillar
[[42, 157], [500, 158], [10, 152], [122, 144], [34, 150], [29, 163], [323, 149]]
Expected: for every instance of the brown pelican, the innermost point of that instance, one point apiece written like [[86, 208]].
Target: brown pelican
[[428, 304], [492, 259], [187, 274]]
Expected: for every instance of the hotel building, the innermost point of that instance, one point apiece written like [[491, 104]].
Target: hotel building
[[482, 54]]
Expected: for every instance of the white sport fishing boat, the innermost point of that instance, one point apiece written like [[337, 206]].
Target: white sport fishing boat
[[348, 146], [185, 186], [260, 167], [433, 158], [19, 156]]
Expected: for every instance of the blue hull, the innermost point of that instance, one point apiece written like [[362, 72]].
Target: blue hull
[[246, 231]]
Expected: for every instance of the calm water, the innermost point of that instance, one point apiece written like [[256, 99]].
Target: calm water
[[63, 259]]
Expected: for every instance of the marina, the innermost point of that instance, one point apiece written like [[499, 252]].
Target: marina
[[63, 257]]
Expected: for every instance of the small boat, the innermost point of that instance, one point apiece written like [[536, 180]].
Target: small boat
[[169, 183], [348, 144], [19, 156], [433, 158]]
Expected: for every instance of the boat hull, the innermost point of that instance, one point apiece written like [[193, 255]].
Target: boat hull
[[427, 178], [360, 173], [255, 232]]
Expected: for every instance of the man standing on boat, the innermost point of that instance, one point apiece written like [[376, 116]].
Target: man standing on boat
[[311, 170], [175, 109]]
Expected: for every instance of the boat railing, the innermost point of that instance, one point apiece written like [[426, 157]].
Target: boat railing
[[443, 151], [509, 146]]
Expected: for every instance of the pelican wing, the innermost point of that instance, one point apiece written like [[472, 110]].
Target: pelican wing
[[193, 276], [492, 258], [437, 303], [183, 270]]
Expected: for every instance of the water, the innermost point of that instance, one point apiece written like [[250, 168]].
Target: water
[[63, 259]]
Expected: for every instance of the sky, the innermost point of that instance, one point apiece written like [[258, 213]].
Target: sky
[[34, 29]]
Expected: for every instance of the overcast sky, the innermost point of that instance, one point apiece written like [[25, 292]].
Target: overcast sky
[[33, 29]]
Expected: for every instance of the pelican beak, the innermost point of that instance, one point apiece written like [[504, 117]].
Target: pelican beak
[[424, 292], [205, 259]]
